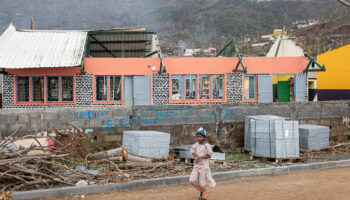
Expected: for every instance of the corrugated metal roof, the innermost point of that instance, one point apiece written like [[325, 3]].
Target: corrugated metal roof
[[40, 49]]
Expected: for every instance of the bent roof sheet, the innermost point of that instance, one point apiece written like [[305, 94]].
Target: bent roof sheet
[[19, 49]]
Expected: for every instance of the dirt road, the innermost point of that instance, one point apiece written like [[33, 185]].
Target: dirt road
[[312, 185]]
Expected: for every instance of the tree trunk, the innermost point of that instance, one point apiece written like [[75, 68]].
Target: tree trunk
[[137, 159], [344, 2], [118, 152]]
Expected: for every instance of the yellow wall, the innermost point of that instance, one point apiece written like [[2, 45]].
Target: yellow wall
[[276, 78], [337, 75]]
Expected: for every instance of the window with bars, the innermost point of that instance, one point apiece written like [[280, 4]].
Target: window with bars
[[115, 88], [218, 86], [32, 89], [101, 88], [108, 88], [176, 87], [211, 87], [249, 87], [204, 87], [53, 89], [191, 87], [22, 88], [38, 88], [67, 85]]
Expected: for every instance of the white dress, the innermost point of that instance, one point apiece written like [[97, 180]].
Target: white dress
[[201, 171]]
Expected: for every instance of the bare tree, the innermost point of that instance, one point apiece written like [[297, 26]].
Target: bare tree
[[344, 2]]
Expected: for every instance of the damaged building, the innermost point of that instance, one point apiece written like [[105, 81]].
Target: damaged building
[[124, 67]]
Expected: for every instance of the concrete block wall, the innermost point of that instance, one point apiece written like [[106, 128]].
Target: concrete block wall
[[8, 91], [84, 90], [84, 94], [1, 77], [160, 89], [306, 86], [224, 123], [234, 87]]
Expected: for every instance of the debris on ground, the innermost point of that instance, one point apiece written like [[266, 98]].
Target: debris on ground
[[21, 170], [75, 143], [333, 149], [75, 160], [5, 195]]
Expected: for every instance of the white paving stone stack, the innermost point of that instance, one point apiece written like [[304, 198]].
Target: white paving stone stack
[[313, 137], [151, 144], [247, 133], [273, 137]]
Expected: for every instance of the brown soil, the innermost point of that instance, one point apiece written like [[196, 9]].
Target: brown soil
[[312, 185]]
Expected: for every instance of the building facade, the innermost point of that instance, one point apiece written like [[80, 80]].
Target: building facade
[[334, 84], [46, 69]]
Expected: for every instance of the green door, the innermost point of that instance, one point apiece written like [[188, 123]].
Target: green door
[[283, 91]]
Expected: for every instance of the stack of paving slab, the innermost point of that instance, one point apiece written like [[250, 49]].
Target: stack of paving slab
[[272, 136], [151, 144], [185, 152], [247, 133], [312, 137]]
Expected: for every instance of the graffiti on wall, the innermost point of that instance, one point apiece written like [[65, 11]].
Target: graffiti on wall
[[154, 116], [89, 115]]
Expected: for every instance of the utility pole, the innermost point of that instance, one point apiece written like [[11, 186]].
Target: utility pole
[[32, 23]]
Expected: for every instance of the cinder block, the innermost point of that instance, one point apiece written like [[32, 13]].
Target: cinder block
[[50, 116]]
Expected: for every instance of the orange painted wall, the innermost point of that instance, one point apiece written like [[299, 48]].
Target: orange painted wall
[[194, 65], [176, 65], [121, 66], [46, 71], [197, 65], [275, 65]]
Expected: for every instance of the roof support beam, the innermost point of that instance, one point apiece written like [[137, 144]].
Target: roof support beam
[[162, 68], [312, 63], [279, 42], [228, 50], [223, 50], [120, 32], [121, 41], [103, 46], [120, 50], [150, 54]]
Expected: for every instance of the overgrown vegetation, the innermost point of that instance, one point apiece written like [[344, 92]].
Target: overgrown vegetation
[[238, 156]]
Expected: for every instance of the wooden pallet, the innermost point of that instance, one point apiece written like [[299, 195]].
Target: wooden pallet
[[246, 150], [220, 162], [186, 160], [278, 160], [190, 160]]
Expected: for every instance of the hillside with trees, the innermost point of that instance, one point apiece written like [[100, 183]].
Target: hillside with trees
[[195, 23]]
